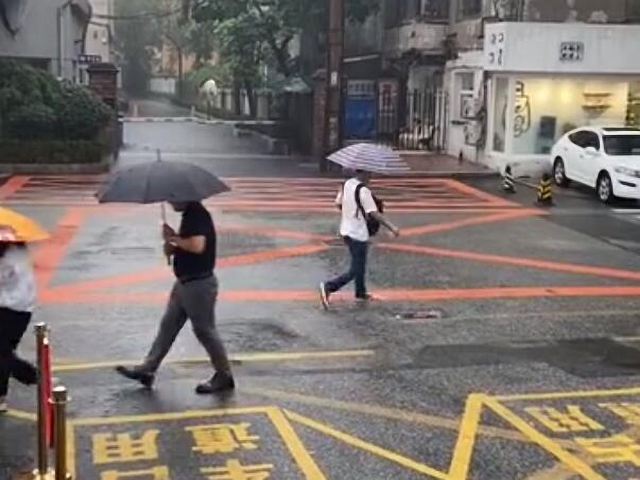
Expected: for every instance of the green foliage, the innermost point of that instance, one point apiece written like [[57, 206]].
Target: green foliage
[[219, 73], [270, 24], [36, 106], [32, 120], [81, 115], [136, 35], [51, 152]]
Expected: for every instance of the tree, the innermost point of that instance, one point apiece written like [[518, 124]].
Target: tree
[[137, 36], [275, 23]]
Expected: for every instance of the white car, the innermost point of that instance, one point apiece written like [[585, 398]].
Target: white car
[[604, 158]]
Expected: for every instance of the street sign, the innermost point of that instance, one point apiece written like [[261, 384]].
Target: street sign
[[89, 59]]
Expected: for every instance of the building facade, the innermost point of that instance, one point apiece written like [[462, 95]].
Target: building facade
[[439, 83], [48, 34], [99, 41]]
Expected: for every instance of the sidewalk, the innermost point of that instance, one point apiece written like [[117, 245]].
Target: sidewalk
[[442, 165]]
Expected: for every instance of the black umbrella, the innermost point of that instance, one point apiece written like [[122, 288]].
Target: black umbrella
[[161, 181]]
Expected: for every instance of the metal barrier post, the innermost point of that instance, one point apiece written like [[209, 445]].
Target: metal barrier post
[[60, 438], [42, 471]]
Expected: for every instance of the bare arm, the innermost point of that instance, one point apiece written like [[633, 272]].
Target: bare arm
[[387, 223], [195, 245]]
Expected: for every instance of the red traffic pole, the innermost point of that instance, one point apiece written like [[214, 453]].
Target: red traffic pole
[[42, 469]]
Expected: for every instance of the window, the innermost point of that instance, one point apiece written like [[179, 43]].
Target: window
[[465, 95], [592, 140], [434, 10], [409, 9], [585, 138], [578, 138], [470, 8], [622, 144]]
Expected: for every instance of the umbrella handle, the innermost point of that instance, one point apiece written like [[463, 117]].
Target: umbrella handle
[[163, 215]]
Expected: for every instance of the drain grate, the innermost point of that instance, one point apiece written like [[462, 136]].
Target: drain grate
[[420, 315]]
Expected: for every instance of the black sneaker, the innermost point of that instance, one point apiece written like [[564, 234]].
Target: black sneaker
[[144, 378], [324, 296], [220, 382]]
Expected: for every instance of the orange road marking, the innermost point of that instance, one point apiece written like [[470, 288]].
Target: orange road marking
[[162, 273], [426, 295], [520, 262], [474, 192], [479, 220], [49, 254], [275, 232], [12, 185]]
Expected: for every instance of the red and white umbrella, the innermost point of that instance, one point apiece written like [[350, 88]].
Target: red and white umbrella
[[370, 158]]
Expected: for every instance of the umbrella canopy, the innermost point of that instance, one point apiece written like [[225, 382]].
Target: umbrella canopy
[[370, 158], [161, 181], [18, 228]]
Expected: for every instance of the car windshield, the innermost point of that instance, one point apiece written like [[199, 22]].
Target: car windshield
[[622, 144]]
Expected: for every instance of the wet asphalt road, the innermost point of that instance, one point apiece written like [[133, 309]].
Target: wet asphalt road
[[486, 307]]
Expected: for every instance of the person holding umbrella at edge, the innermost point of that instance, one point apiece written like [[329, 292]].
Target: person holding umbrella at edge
[[193, 250], [360, 209]]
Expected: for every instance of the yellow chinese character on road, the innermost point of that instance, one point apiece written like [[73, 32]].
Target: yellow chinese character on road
[[629, 412], [155, 473], [222, 437], [110, 448], [616, 449], [235, 471], [559, 422]]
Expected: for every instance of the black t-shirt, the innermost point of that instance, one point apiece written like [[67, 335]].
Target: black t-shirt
[[196, 221]]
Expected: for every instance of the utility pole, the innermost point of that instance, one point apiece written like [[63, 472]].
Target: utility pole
[[335, 52]]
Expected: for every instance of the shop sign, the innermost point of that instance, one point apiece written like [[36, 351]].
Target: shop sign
[[571, 51], [496, 48]]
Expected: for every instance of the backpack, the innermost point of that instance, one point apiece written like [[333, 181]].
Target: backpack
[[373, 225]]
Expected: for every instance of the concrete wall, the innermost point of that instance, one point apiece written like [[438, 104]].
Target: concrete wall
[[163, 85], [99, 41], [37, 38]]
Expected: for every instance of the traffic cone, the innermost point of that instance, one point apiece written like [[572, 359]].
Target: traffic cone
[[508, 182], [545, 191]]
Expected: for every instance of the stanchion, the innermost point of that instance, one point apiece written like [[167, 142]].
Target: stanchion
[[60, 437], [42, 469]]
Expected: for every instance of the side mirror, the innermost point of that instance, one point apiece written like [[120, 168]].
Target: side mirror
[[591, 151]]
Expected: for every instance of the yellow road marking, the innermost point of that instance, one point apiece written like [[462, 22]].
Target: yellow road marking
[[366, 446], [159, 417], [577, 394], [295, 445], [545, 442], [463, 450], [446, 423], [239, 357], [20, 415]]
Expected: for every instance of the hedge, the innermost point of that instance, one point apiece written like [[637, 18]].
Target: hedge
[[51, 152]]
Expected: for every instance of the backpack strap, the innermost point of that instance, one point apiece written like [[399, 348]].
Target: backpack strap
[[360, 208]]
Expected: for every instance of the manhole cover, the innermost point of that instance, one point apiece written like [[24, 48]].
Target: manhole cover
[[420, 315]]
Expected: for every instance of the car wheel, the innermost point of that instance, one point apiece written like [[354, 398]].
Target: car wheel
[[559, 173], [605, 188]]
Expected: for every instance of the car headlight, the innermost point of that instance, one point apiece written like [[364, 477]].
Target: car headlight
[[630, 172]]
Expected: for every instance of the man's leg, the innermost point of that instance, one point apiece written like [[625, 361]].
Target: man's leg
[[172, 322], [200, 301], [360, 251], [338, 283]]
